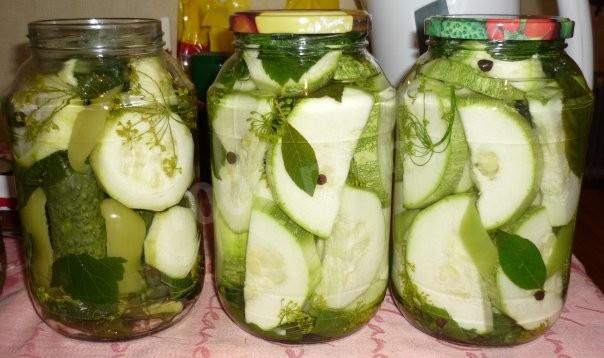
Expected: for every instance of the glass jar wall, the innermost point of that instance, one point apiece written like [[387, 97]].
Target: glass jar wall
[[492, 133], [302, 126], [102, 127]]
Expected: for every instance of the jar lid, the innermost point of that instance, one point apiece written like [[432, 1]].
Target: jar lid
[[499, 27], [300, 22]]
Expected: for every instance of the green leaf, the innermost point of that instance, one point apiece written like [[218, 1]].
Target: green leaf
[[218, 155], [49, 170], [179, 287], [283, 67], [521, 261], [88, 279], [334, 90], [98, 76], [299, 159], [237, 70], [354, 68]]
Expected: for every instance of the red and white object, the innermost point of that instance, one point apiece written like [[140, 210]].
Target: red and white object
[[8, 192]]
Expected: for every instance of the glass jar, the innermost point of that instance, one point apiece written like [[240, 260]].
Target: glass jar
[[102, 127], [302, 126], [492, 133]]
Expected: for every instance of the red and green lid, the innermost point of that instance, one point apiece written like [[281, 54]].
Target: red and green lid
[[499, 28], [303, 22]]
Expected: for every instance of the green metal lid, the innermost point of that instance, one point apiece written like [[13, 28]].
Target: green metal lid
[[499, 28]]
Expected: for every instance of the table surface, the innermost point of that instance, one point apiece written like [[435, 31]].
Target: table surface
[[207, 331]]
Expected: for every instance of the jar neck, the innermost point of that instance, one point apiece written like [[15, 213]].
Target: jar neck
[[95, 37], [511, 50], [302, 44]]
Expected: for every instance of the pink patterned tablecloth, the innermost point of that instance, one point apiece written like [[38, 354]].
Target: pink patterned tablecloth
[[208, 332]]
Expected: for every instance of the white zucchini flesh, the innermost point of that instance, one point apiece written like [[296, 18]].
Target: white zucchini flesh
[[66, 74], [465, 182], [134, 173], [332, 129], [522, 74], [244, 85], [441, 268], [401, 223], [375, 292], [386, 138], [230, 251], [51, 139], [172, 243], [150, 82], [373, 157], [428, 178], [397, 198], [520, 304], [560, 187], [379, 283], [234, 190], [282, 266], [316, 76], [355, 250], [506, 160]]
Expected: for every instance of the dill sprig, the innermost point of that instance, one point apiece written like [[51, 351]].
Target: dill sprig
[[154, 129], [46, 95], [291, 313], [154, 126], [418, 142], [268, 126]]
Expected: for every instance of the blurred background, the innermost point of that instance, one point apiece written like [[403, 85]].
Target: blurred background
[[16, 14]]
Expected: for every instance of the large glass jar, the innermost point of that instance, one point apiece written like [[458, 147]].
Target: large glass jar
[[302, 125], [102, 127], [492, 134]]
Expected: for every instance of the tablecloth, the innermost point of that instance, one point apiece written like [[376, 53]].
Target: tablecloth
[[208, 332]]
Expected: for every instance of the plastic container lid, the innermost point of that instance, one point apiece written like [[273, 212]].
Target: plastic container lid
[[300, 22], [499, 27]]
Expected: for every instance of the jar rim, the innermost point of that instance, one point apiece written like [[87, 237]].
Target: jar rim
[[499, 27], [94, 21], [98, 35], [300, 22]]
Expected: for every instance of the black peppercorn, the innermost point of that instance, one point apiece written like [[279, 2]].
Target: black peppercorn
[[322, 179], [231, 158], [485, 65]]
